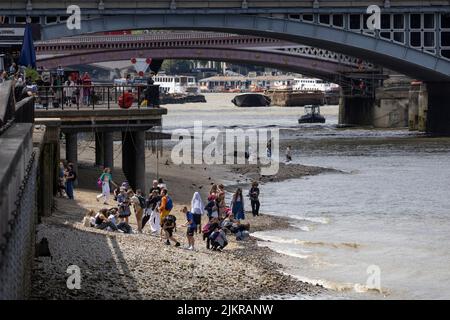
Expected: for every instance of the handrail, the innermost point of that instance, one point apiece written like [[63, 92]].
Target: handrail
[[92, 96]]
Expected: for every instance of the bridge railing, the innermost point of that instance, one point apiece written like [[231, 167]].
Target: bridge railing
[[97, 96]]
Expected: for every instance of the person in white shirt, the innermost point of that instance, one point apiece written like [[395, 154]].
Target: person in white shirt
[[197, 209]]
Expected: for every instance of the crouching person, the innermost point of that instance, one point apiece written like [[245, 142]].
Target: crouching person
[[218, 239], [169, 225], [102, 221], [121, 226], [208, 229]]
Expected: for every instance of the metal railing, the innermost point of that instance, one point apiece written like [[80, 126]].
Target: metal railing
[[96, 96]]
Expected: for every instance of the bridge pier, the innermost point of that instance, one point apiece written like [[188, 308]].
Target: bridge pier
[[133, 158], [99, 149], [356, 111], [438, 110], [413, 108], [72, 149], [108, 150]]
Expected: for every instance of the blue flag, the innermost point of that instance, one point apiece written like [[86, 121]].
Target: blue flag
[[28, 53]]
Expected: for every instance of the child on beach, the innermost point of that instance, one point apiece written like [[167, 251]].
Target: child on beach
[[165, 206], [169, 225], [89, 219], [208, 229], [191, 227], [124, 205]]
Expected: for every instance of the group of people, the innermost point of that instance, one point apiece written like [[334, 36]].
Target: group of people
[[156, 210], [66, 179]]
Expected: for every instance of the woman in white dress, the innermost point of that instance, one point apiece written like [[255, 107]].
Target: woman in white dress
[[105, 179]]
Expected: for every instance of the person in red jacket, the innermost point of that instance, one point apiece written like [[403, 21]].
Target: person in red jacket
[[87, 84]]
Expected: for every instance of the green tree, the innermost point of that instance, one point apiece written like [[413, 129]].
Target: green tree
[[176, 66]]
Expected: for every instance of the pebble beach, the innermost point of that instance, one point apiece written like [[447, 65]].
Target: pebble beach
[[141, 266]]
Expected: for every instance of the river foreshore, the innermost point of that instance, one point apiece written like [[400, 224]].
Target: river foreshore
[[141, 266]]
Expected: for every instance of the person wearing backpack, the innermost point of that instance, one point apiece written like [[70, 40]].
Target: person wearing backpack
[[165, 207], [138, 202], [169, 225]]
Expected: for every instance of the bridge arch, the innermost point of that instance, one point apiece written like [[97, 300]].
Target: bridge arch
[[306, 65], [409, 61]]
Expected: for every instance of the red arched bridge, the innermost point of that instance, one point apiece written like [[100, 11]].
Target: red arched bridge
[[200, 46]]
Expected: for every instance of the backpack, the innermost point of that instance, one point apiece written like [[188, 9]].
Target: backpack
[[141, 201], [169, 204], [171, 218]]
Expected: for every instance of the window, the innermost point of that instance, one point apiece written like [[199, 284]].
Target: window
[[338, 20], [51, 19], [416, 40], [428, 21], [445, 39], [355, 22], [308, 17], [445, 20], [324, 19], [428, 39], [399, 37], [21, 19], [415, 22], [399, 21], [385, 21]]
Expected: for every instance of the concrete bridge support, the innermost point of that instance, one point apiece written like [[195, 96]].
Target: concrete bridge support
[[391, 107], [413, 108], [133, 158], [72, 148], [108, 150], [99, 149], [423, 108], [438, 111], [356, 111]]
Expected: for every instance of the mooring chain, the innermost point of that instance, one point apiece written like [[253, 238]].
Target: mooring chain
[[18, 203]]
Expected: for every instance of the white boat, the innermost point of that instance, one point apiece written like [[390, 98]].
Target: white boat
[[311, 84], [176, 84]]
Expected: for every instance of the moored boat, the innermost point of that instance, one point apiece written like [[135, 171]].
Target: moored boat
[[251, 100], [312, 115]]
